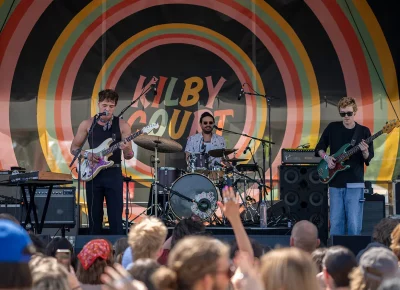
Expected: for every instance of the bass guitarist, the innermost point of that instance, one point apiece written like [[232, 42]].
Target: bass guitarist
[[108, 183], [346, 189]]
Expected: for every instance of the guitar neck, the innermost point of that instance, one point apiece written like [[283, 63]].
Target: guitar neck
[[116, 146], [355, 149]]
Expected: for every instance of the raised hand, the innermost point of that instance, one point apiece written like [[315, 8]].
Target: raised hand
[[229, 207]]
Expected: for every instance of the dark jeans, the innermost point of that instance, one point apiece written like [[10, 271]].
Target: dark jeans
[[108, 184]]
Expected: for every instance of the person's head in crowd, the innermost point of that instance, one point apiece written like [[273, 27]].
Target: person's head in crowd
[[119, 248], [186, 227], [258, 249], [60, 243], [288, 269], [196, 262], [143, 269], [317, 256], [337, 265], [147, 237], [92, 260], [16, 249], [383, 230], [48, 274], [40, 247], [395, 243], [305, 236], [376, 264], [7, 216], [390, 284]]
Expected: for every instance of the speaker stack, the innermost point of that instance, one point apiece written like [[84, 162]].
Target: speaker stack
[[305, 196]]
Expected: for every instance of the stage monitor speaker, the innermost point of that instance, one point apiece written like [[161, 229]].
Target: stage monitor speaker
[[374, 211], [305, 196], [353, 243]]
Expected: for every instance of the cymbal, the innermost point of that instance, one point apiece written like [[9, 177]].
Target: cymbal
[[164, 145], [221, 152], [236, 159]]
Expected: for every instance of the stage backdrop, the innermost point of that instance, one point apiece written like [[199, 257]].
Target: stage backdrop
[[55, 56]]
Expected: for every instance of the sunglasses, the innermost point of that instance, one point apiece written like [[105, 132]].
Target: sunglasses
[[209, 123], [342, 114]]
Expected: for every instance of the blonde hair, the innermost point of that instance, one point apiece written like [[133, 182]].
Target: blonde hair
[[289, 269], [347, 101], [47, 273], [190, 261], [147, 237], [359, 282], [395, 245]]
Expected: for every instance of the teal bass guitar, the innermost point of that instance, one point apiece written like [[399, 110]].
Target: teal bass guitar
[[326, 174]]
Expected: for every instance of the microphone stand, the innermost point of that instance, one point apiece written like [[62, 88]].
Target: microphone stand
[[128, 179], [269, 137], [78, 156], [263, 142]]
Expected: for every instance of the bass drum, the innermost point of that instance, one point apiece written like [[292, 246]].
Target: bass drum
[[195, 187]]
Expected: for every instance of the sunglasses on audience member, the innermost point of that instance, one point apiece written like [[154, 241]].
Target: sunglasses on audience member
[[342, 114], [209, 123]]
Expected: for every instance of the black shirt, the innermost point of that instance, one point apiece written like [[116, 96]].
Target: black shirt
[[335, 136], [99, 135]]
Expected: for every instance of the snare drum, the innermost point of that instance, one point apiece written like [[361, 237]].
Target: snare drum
[[196, 187]]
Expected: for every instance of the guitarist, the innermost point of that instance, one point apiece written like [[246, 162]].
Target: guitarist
[[109, 182], [346, 189]]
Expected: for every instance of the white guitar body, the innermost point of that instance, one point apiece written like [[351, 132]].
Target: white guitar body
[[89, 170]]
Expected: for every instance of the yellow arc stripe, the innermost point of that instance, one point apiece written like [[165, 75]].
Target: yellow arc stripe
[[44, 136], [315, 100], [389, 77]]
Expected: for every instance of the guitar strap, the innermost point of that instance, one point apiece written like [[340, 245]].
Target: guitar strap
[[356, 134]]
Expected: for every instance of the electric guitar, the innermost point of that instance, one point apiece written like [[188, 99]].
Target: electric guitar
[[326, 174], [89, 169]]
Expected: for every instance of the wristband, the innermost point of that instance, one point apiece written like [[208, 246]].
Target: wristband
[[326, 155]]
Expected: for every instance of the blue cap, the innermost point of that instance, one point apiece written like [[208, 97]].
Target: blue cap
[[14, 241]]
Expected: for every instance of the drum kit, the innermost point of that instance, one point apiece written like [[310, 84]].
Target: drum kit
[[196, 190]]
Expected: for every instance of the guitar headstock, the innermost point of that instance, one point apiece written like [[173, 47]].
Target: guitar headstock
[[150, 127], [390, 125]]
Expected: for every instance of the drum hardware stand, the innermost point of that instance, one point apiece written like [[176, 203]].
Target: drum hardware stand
[[263, 143], [127, 179], [155, 184]]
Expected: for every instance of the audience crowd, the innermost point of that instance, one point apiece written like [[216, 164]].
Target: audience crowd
[[190, 259]]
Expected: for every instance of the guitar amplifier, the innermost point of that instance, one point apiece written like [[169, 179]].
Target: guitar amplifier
[[61, 209], [299, 156]]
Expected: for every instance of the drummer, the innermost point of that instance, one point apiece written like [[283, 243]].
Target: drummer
[[206, 140]]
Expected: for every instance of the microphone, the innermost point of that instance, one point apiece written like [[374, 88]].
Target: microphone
[[247, 148], [217, 128], [105, 113]]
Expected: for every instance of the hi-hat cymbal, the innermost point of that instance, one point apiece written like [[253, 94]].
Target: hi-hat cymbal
[[164, 145], [221, 152], [236, 159]]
